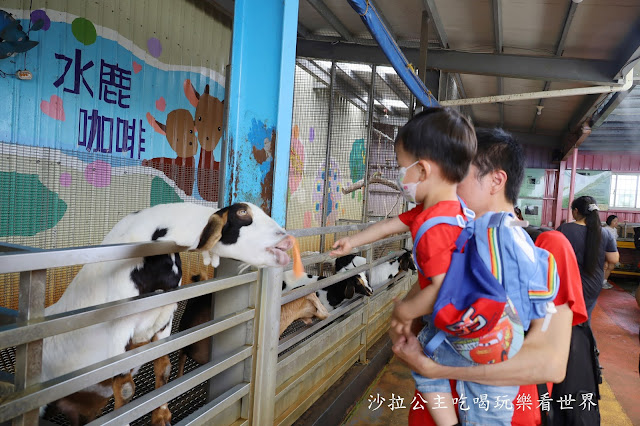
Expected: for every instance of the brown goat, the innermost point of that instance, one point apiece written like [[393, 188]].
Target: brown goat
[[304, 308]]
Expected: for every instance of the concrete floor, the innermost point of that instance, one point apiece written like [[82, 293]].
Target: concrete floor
[[616, 320]]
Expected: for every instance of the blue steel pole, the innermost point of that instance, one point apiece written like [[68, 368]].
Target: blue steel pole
[[261, 104]]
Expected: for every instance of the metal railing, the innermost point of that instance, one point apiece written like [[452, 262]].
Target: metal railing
[[257, 393]]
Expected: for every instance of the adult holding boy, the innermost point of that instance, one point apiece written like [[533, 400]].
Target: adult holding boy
[[493, 184]]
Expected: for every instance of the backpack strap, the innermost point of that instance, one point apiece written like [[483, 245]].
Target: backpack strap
[[457, 220], [438, 220], [432, 345]]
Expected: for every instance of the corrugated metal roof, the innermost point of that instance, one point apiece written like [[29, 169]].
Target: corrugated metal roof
[[604, 30], [621, 130]]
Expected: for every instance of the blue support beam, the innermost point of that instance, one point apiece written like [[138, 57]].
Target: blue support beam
[[260, 104]]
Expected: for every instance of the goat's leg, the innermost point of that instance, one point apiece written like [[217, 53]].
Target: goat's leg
[[182, 359], [123, 389], [161, 416]]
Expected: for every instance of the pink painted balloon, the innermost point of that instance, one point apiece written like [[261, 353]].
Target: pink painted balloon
[[98, 174], [65, 179], [307, 219]]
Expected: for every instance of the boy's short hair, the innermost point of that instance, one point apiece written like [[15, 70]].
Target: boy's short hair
[[443, 136], [499, 150]]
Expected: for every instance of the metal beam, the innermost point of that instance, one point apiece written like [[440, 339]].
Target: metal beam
[[430, 7], [303, 31], [546, 87], [331, 18], [341, 85], [591, 71], [410, 44], [630, 50], [497, 24], [383, 19], [559, 51], [424, 46], [497, 31], [358, 86], [613, 102], [224, 6], [313, 69], [393, 87]]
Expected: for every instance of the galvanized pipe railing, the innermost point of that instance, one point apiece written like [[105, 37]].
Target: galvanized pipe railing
[[29, 330], [21, 332], [27, 333]]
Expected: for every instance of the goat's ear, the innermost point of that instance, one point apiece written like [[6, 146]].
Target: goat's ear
[[212, 232], [349, 290]]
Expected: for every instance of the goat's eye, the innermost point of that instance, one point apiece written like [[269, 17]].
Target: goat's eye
[[199, 118], [219, 128], [242, 212]]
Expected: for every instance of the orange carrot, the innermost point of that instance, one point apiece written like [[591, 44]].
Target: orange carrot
[[298, 269]]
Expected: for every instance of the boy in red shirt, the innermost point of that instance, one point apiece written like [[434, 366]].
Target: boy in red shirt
[[434, 150], [493, 184]]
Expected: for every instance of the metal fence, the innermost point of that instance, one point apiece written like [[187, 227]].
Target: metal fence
[[280, 378]]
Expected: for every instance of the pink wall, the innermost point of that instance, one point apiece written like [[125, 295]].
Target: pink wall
[[539, 157], [618, 162]]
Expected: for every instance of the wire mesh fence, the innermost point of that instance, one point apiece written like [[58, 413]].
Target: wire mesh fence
[[343, 167], [56, 198]]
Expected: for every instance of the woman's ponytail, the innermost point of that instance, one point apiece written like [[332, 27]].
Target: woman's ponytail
[[588, 208]]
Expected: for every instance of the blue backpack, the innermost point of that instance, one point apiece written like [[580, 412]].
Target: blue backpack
[[497, 282]]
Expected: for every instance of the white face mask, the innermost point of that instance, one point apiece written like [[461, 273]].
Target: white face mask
[[408, 189]]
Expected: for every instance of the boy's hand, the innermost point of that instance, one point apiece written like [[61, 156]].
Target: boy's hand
[[400, 322], [341, 247]]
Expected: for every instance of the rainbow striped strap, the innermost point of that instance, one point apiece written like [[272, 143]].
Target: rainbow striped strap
[[552, 282]]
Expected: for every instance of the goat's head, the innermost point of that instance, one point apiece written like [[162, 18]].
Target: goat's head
[[362, 284], [356, 284], [242, 231], [406, 261]]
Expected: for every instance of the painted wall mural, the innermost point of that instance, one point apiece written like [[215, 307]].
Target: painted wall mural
[[334, 195], [308, 158], [121, 122], [296, 160]]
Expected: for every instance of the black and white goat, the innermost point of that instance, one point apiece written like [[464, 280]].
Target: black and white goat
[[241, 231], [380, 273], [333, 295]]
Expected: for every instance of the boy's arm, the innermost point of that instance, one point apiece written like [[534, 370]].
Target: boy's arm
[[421, 303], [373, 233], [542, 358]]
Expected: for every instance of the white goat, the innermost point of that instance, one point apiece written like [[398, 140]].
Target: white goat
[[241, 231], [334, 295]]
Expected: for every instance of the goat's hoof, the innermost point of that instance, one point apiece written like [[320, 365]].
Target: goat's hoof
[[126, 391], [161, 416]]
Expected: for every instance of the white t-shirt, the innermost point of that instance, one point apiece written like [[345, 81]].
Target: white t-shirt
[[612, 231]]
